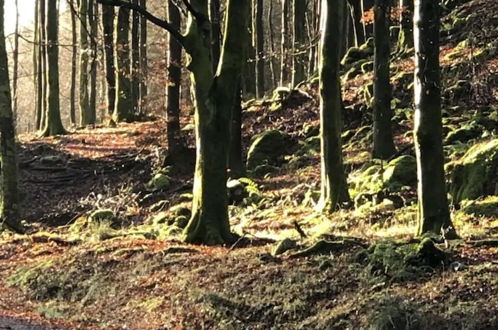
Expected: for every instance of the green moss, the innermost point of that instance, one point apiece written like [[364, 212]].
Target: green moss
[[267, 148], [475, 175], [487, 207], [465, 133], [159, 182], [102, 215], [401, 171], [392, 313]]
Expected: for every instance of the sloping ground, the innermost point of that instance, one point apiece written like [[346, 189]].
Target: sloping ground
[[132, 272]]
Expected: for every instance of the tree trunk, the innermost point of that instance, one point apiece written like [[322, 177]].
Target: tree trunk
[[258, 28], [214, 14], [236, 163], [298, 42], [405, 40], [135, 60], [174, 83], [15, 57], [42, 72], [273, 59], [74, 65], [209, 223], [333, 178], [143, 62], [9, 204], [357, 15], [93, 23], [110, 75], [383, 143], [124, 104], [84, 97], [433, 215], [37, 78], [53, 122], [284, 44]]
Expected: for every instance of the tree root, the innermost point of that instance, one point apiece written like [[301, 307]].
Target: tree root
[[327, 247]]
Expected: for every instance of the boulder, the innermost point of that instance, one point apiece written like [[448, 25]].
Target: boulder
[[359, 53], [267, 148], [159, 182], [236, 191], [476, 173], [465, 133], [101, 216], [401, 171]]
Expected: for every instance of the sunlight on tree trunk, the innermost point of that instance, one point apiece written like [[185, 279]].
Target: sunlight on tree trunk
[[333, 178], [434, 215], [122, 109]]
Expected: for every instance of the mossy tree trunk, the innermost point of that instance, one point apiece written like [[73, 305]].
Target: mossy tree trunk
[[9, 204], [124, 104], [433, 215], [53, 122], [42, 65], [110, 76], [333, 177], [215, 98], [383, 142], [174, 82], [215, 94], [298, 41]]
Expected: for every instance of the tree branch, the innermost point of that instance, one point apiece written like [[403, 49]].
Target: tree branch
[[149, 16], [198, 16]]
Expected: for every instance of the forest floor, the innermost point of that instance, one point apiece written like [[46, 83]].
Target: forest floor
[[133, 272]]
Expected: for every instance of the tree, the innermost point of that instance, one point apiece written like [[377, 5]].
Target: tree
[[53, 122], [110, 76], [9, 204], [215, 95], [259, 43], [84, 80], [143, 61], [333, 177], [284, 44], [298, 41], [174, 82], [74, 64], [93, 25], [124, 104], [405, 39], [135, 60], [433, 215], [15, 57], [383, 143]]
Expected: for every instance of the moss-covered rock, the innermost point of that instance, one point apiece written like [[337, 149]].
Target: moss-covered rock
[[159, 182], [268, 148], [181, 221], [180, 210], [284, 246], [487, 207], [465, 133], [476, 173], [401, 171], [405, 261], [264, 170], [236, 191], [101, 216], [359, 53]]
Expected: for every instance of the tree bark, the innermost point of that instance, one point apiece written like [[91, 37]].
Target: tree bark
[[110, 75], [236, 162], [42, 72], [284, 44], [405, 40], [258, 28], [15, 57], [143, 62], [333, 177], [53, 122], [124, 104], [298, 42], [9, 203], [37, 80], [174, 83], [214, 14], [209, 223], [383, 142], [93, 23], [74, 65], [433, 215], [135, 60], [84, 80]]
